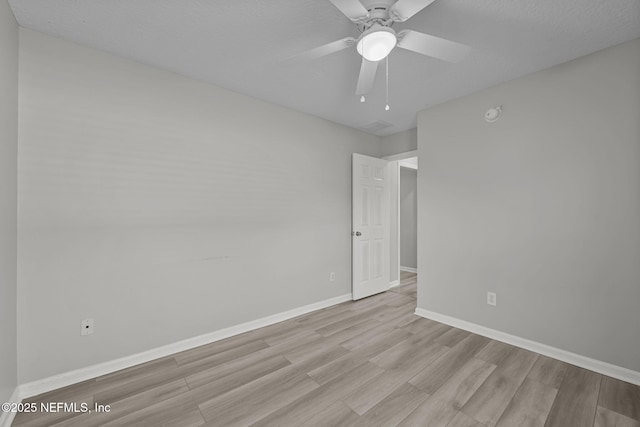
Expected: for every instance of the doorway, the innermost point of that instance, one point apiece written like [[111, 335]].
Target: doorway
[[408, 216], [403, 170], [384, 223]]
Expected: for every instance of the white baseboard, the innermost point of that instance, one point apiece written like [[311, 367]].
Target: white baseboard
[[394, 284], [409, 269], [61, 380], [6, 418], [585, 362]]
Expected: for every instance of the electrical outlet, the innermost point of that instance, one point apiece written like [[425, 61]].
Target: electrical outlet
[[492, 299], [86, 327], [332, 277]]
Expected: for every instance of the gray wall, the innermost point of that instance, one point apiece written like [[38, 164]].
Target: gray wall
[[8, 197], [400, 142], [165, 208], [541, 207], [408, 217]]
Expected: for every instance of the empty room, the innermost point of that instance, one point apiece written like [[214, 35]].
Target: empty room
[[320, 213]]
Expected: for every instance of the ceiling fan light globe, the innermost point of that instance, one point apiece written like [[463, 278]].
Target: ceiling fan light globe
[[376, 45]]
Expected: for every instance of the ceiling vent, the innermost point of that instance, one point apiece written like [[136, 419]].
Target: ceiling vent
[[376, 126]]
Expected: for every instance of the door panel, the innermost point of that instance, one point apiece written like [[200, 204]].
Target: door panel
[[370, 223]]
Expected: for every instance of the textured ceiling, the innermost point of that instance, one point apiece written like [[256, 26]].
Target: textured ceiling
[[243, 45]]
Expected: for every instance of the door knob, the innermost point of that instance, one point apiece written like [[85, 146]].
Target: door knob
[[357, 233]]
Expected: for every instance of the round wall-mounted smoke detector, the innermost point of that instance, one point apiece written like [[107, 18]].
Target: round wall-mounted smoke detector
[[492, 114]]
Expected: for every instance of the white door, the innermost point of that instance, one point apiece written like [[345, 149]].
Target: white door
[[370, 226]]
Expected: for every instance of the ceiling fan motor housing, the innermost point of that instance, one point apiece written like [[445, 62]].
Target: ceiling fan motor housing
[[378, 14]]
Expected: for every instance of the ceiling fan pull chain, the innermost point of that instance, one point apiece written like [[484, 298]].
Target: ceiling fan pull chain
[[362, 98], [386, 108]]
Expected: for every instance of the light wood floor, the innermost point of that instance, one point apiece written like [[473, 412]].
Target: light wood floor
[[365, 363]]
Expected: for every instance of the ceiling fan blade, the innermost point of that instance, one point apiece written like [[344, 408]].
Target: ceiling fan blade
[[402, 10], [433, 46], [352, 9], [367, 76], [326, 49]]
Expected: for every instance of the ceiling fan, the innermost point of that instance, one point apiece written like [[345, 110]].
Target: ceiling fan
[[378, 39]]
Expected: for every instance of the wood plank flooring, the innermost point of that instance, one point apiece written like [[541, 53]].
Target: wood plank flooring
[[365, 363]]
